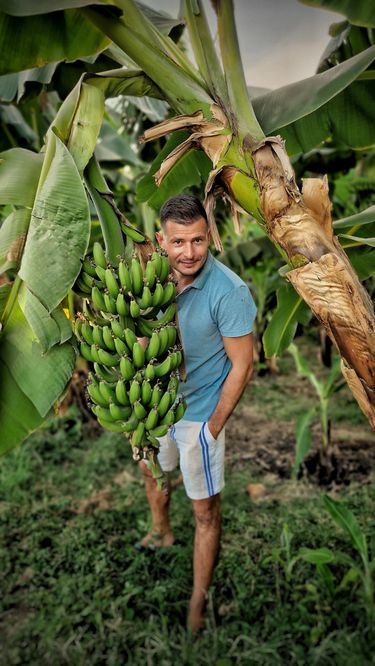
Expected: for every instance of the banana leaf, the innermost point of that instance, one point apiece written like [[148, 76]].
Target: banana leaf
[[329, 103], [358, 220], [280, 331], [359, 12]]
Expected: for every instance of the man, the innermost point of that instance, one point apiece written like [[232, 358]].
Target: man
[[215, 316]]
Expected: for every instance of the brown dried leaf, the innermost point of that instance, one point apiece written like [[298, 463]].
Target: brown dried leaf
[[359, 392], [316, 198]]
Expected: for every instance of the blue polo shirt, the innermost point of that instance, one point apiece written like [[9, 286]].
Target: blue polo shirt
[[217, 303]]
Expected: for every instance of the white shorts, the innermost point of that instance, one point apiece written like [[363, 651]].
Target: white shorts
[[201, 457]]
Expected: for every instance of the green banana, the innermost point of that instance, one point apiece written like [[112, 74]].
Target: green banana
[[108, 338], [100, 273], [77, 328], [168, 419], [95, 354], [136, 275], [86, 332], [159, 431], [121, 347], [99, 255], [109, 376], [107, 392], [143, 329], [172, 334], [169, 293], [101, 412], [173, 386], [164, 340], [117, 329], [163, 368], [165, 319], [121, 393], [131, 232], [138, 434], [83, 288], [156, 260], [164, 404], [164, 270], [110, 303], [153, 347], [122, 306], [113, 426], [88, 266], [157, 295], [98, 299], [138, 355], [88, 280], [146, 391], [150, 274], [150, 371], [152, 419], [131, 423], [111, 283], [126, 368], [157, 393], [139, 410], [180, 410], [134, 392], [130, 338], [95, 395], [86, 351], [106, 358], [97, 334], [119, 413], [124, 277], [145, 300], [134, 309]]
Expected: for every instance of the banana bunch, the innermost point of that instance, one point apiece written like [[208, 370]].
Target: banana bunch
[[128, 333]]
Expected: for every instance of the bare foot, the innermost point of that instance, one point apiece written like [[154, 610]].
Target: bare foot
[[154, 540]]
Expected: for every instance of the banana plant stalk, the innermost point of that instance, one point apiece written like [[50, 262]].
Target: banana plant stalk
[[254, 175]]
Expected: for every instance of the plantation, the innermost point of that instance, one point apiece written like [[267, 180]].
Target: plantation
[[75, 590], [105, 117]]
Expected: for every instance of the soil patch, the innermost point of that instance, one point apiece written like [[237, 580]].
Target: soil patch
[[269, 445]]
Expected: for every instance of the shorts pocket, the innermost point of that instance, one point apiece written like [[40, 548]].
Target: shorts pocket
[[208, 435]]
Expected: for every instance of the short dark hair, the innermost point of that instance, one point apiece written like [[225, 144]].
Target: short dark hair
[[183, 209]]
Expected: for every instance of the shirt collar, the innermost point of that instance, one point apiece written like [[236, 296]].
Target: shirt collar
[[200, 280]]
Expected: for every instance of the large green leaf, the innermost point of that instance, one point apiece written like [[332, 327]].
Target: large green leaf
[[12, 238], [59, 232], [22, 8], [18, 416], [19, 175], [359, 12], [276, 114], [282, 327], [49, 38], [14, 85], [48, 330], [4, 294], [42, 377]]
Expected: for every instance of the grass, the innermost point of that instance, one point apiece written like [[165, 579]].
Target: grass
[[75, 591]]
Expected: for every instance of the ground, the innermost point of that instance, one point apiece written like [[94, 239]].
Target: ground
[[74, 590]]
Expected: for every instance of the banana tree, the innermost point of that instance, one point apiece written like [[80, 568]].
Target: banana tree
[[251, 170]]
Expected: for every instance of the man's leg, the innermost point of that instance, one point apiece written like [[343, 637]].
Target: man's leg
[[206, 550], [161, 533]]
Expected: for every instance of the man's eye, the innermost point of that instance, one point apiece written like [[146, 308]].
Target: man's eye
[[177, 242], [198, 240]]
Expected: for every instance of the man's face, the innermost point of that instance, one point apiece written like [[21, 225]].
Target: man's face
[[186, 245]]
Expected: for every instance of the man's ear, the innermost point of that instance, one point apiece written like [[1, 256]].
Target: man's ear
[[159, 237]]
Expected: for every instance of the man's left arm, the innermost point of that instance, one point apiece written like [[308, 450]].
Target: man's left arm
[[240, 352]]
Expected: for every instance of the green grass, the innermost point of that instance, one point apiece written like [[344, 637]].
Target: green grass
[[75, 591]]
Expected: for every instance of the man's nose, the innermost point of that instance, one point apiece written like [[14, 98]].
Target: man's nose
[[188, 250]]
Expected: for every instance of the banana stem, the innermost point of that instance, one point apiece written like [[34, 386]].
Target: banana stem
[[156, 471], [10, 301], [109, 222], [236, 82]]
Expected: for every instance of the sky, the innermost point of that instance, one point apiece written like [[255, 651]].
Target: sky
[[281, 41]]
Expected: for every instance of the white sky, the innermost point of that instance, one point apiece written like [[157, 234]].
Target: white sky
[[281, 41]]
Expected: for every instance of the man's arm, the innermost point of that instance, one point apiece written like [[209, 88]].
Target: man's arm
[[240, 353]]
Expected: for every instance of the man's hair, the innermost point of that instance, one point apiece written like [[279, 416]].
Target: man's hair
[[183, 209]]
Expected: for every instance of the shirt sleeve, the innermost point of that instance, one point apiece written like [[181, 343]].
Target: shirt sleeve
[[236, 312]]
